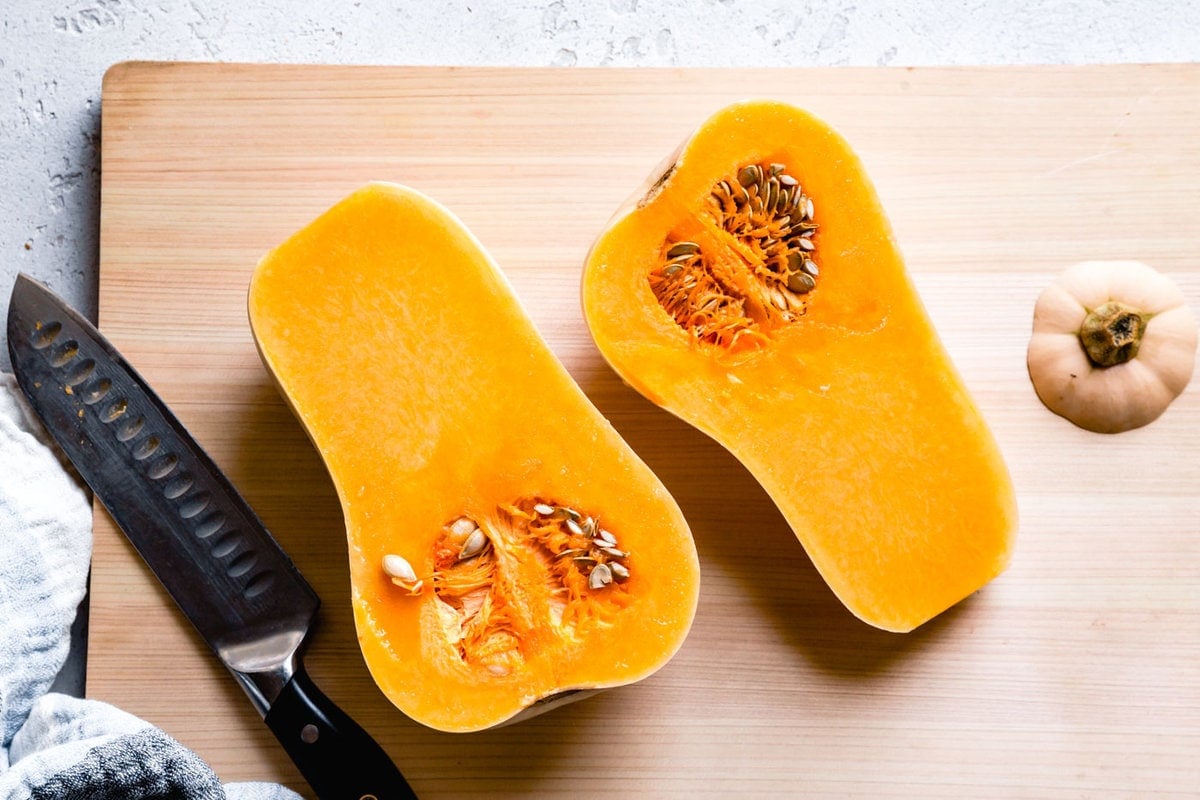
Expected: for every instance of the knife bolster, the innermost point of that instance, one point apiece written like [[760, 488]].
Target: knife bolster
[[264, 687]]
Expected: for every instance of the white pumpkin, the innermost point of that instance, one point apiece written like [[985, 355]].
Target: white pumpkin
[[1113, 343]]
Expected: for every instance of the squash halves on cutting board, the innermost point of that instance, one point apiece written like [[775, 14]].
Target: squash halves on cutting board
[[506, 546], [753, 288]]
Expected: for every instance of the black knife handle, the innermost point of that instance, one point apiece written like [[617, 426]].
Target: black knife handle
[[337, 757]]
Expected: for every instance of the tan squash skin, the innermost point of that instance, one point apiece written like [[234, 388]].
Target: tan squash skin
[[430, 395], [1123, 396], [852, 417]]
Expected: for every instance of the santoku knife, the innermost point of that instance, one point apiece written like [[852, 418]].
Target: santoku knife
[[196, 533]]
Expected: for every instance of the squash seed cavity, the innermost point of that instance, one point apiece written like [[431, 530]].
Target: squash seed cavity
[[745, 265], [501, 582]]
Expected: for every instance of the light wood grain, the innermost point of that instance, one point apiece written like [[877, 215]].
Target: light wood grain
[[1075, 674]]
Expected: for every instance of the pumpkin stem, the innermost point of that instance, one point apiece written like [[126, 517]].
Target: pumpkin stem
[[1112, 333]]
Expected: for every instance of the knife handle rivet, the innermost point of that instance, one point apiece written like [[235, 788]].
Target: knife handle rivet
[[309, 733]]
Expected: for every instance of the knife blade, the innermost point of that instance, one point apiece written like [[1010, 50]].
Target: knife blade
[[195, 532]]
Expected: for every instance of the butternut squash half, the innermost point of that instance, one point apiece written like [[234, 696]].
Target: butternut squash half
[[754, 289], [507, 548]]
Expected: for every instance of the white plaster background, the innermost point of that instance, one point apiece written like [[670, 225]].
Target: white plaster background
[[53, 54]]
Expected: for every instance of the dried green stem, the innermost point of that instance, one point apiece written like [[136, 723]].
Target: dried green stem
[[1112, 333]]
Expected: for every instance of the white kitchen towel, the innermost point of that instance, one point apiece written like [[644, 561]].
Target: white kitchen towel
[[53, 746]]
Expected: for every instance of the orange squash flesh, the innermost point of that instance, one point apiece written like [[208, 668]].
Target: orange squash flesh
[[431, 398], [851, 414]]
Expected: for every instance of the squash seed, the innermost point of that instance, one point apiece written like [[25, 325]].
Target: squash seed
[[543, 509], [619, 571], [801, 282], [683, 249], [397, 567], [600, 576], [462, 526], [605, 536], [474, 545], [402, 574]]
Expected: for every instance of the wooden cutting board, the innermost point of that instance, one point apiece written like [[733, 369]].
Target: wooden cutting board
[[1075, 674]]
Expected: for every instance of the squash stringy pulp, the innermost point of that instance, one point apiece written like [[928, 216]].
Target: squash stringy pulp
[[489, 607], [744, 265]]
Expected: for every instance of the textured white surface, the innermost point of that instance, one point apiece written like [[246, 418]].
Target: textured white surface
[[53, 55]]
